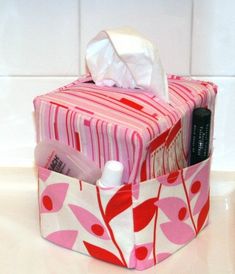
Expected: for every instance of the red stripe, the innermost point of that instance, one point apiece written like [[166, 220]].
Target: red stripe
[[72, 128], [86, 122], [77, 141], [185, 91], [177, 92], [143, 174], [85, 110], [157, 142], [114, 100], [107, 138], [127, 151], [157, 106], [92, 145], [56, 125], [173, 133], [116, 142], [134, 116], [58, 105], [155, 227], [98, 140], [66, 126], [108, 226], [49, 121], [80, 184], [131, 103], [103, 141]]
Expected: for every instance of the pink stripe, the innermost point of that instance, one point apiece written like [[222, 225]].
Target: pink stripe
[[92, 144], [137, 155], [100, 109], [98, 141], [84, 110], [55, 124], [181, 97], [114, 99], [187, 96], [127, 151], [87, 138], [117, 110], [117, 102], [66, 125], [103, 143], [107, 141], [158, 107], [72, 129], [49, 122]]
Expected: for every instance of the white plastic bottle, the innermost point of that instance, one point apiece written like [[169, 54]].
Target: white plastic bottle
[[60, 158], [112, 175]]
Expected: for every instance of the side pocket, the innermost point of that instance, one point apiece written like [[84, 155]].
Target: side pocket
[[86, 218], [169, 211]]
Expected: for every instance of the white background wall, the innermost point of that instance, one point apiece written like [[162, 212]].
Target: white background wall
[[42, 45]]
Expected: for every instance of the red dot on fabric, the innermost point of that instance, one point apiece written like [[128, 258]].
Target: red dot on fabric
[[182, 213], [97, 229], [141, 253], [195, 187], [172, 177], [47, 202]]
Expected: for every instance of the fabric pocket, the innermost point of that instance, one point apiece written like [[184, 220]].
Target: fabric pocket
[[86, 218], [134, 225], [170, 211]]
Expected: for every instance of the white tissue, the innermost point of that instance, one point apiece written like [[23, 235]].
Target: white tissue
[[124, 58]]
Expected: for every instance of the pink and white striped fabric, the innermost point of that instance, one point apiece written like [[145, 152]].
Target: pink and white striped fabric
[[149, 136]]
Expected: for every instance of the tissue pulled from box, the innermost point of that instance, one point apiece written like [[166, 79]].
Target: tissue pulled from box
[[124, 58]]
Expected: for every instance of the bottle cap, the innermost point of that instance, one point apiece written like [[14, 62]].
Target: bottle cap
[[112, 174]]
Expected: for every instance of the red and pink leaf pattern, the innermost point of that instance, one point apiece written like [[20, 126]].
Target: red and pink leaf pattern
[[199, 190], [102, 254], [43, 173], [52, 198], [65, 238], [90, 222], [174, 208], [172, 179], [140, 256], [178, 232], [203, 215], [143, 214], [121, 200], [162, 256]]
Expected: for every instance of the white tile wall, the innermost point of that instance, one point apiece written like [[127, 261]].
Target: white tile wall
[[39, 37], [43, 44], [213, 37]]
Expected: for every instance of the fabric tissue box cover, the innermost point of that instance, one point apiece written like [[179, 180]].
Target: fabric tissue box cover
[[163, 203]]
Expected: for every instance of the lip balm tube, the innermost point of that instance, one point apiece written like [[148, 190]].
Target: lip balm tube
[[200, 138], [112, 175]]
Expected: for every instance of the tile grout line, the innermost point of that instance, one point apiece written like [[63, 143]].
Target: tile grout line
[[191, 38]]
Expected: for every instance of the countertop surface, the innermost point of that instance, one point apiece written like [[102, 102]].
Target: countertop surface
[[22, 250]]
